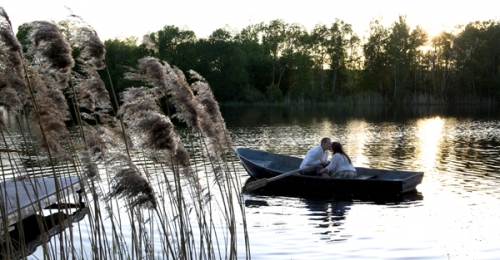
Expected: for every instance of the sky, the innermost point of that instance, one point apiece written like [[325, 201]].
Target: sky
[[125, 18]]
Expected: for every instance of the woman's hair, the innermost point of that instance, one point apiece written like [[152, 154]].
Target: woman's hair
[[337, 148]]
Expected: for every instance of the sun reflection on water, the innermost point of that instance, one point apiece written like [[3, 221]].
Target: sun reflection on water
[[356, 132], [429, 137], [325, 129]]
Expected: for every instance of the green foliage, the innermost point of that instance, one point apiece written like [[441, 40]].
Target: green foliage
[[251, 95], [173, 44], [120, 56], [273, 93], [22, 36], [395, 63]]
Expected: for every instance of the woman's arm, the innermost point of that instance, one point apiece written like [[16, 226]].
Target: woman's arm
[[334, 163]]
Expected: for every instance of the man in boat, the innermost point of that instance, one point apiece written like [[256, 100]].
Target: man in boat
[[317, 156]]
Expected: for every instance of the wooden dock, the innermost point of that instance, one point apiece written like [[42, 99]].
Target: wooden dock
[[22, 198]]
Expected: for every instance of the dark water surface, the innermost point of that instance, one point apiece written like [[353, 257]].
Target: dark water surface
[[454, 214]]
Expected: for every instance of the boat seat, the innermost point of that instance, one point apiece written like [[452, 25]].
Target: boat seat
[[366, 177]]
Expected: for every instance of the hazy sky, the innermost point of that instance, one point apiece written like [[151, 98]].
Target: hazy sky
[[137, 17]]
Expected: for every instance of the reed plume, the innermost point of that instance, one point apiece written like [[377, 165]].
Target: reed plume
[[50, 46], [181, 155], [206, 98], [95, 152], [183, 99], [151, 71], [92, 96], [160, 77], [85, 38], [112, 133], [3, 81], [155, 130], [52, 75], [135, 101], [10, 47], [9, 42], [90, 91], [202, 118], [5, 16], [103, 144], [9, 97], [93, 49], [190, 109], [128, 183], [90, 167], [51, 112], [101, 95], [11, 57], [103, 148], [85, 98], [13, 80], [140, 109], [149, 43]]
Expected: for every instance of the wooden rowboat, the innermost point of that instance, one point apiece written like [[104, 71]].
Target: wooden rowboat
[[261, 164]]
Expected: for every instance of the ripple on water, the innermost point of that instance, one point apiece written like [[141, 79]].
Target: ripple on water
[[455, 216]]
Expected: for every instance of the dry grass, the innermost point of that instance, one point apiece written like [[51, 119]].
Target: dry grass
[[148, 195]]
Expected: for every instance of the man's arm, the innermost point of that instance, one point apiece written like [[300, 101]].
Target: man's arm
[[317, 157], [311, 158], [324, 159], [309, 161]]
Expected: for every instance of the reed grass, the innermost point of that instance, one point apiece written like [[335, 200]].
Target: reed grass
[[153, 190]]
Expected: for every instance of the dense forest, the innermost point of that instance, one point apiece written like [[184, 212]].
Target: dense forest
[[281, 62]]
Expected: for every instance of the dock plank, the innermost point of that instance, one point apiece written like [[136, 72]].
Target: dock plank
[[22, 198]]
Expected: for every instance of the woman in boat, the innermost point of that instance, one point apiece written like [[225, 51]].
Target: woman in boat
[[340, 166]]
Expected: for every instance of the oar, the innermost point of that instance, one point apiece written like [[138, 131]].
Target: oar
[[263, 182]]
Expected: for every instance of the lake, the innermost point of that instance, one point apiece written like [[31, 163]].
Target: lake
[[454, 214]]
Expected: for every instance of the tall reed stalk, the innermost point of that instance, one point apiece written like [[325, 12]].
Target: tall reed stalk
[[147, 196]]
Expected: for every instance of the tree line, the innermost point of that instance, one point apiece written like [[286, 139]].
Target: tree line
[[282, 62]]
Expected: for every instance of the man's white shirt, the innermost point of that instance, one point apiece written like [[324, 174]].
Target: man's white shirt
[[314, 156]]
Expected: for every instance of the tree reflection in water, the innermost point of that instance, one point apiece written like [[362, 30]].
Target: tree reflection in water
[[326, 212]]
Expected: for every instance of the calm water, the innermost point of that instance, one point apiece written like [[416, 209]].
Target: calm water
[[455, 213]]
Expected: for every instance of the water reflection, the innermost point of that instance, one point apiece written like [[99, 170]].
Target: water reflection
[[382, 137], [357, 131], [458, 148], [429, 136], [325, 129], [323, 214], [255, 116]]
